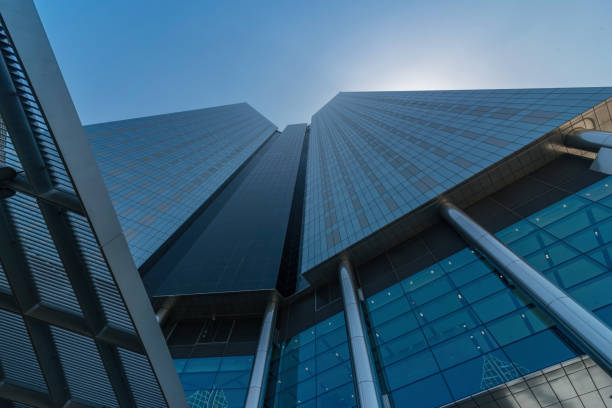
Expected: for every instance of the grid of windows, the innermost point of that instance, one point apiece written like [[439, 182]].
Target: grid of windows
[[313, 369], [219, 382], [459, 327], [160, 169], [376, 156]]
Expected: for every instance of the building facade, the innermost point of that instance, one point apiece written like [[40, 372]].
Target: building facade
[[423, 249]]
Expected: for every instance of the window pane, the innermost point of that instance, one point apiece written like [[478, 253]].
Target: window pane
[[577, 270], [553, 255], [342, 397], [431, 291], [450, 326], [579, 220], [464, 347], [482, 287], [535, 352], [389, 311], [411, 369], [422, 278], [459, 259], [439, 307], [204, 364], [332, 357], [597, 191], [334, 377], [395, 327], [595, 293], [497, 305], [470, 272], [558, 210], [592, 237], [428, 393], [402, 347], [532, 242], [384, 297], [515, 232], [517, 325]]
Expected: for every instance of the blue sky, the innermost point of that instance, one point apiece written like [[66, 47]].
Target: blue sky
[[124, 59]]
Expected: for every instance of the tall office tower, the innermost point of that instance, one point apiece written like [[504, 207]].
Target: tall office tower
[[422, 249]]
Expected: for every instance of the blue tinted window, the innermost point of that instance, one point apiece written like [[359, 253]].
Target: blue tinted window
[[428, 393], [497, 305], [557, 211], [411, 369], [535, 352], [579, 220], [470, 272], [464, 347], [516, 325]]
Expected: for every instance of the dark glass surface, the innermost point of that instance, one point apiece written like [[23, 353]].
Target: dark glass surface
[[237, 242]]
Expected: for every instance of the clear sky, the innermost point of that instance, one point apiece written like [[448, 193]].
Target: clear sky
[[130, 58]]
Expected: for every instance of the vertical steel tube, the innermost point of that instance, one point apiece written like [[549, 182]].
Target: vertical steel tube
[[592, 335], [363, 364], [259, 375]]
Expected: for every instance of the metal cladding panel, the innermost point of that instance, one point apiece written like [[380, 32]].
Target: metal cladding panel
[[236, 243], [376, 156], [19, 362], [50, 278], [160, 169], [83, 368], [75, 299], [146, 391]]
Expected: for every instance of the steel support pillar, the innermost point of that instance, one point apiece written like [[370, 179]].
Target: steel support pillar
[[363, 363], [259, 375], [590, 334]]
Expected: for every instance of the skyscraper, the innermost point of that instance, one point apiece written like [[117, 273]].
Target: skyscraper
[[422, 249]]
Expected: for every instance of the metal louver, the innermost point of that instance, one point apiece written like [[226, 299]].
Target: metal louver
[[76, 325]]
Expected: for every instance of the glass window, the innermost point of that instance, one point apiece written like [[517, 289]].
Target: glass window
[[482, 287], [497, 305], [553, 255], [575, 271], [594, 293], [389, 311], [480, 374], [558, 210], [386, 296], [428, 393], [402, 347], [232, 379], [430, 291], [342, 397], [536, 352], [201, 365], [470, 272], [411, 369], [532, 242], [422, 278], [515, 326], [603, 255], [450, 326], [515, 232], [592, 237], [334, 377], [597, 191], [395, 327], [332, 357], [197, 381], [331, 339], [459, 259], [464, 347], [440, 306], [579, 220]]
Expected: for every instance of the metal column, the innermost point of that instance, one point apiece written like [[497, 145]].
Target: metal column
[[592, 335], [259, 375], [363, 365]]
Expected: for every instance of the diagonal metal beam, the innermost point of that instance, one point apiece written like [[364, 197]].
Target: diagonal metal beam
[[59, 228], [25, 396], [52, 196], [22, 284]]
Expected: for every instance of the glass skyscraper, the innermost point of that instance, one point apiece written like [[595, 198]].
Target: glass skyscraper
[[405, 249]]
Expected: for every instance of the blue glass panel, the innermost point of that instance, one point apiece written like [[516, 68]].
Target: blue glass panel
[[440, 306], [482, 287], [603, 255], [334, 377], [536, 240], [204, 364], [411, 369], [555, 254], [422, 278], [389, 311], [342, 397], [480, 374], [430, 291], [329, 325], [536, 352], [331, 339], [459, 259], [298, 393], [236, 363], [592, 237], [179, 364], [558, 210], [232, 379], [235, 397], [515, 231], [594, 293], [293, 357], [301, 339], [402, 347], [497, 305], [577, 270], [450, 326], [395, 327], [597, 191], [464, 347], [470, 272], [519, 324], [605, 314], [428, 393], [579, 220], [386, 296], [197, 381], [332, 357]]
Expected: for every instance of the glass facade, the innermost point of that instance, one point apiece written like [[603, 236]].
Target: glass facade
[[313, 369], [215, 382], [376, 156], [159, 170], [459, 327]]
